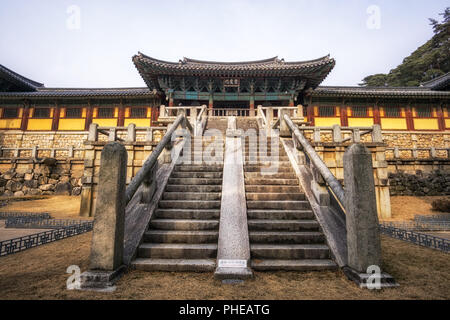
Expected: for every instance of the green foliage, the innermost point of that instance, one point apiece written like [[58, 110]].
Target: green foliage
[[426, 63]]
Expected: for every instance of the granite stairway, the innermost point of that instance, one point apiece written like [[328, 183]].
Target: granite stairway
[[283, 231], [183, 232]]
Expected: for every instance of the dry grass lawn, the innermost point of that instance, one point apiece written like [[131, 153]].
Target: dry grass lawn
[[40, 273], [59, 207], [405, 208]]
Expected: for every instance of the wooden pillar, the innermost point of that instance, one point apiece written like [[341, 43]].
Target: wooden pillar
[[291, 101], [56, 113], [376, 114], [25, 115], [170, 99], [89, 114], [344, 115], [252, 105], [409, 118], [310, 112], [121, 120], [211, 103], [441, 121]]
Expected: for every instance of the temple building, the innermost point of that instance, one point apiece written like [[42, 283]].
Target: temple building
[[27, 105]]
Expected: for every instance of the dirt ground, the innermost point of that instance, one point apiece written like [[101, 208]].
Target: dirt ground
[[40, 273], [405, 208], [59, 207]]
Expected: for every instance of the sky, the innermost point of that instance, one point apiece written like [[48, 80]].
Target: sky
[[90, 43]]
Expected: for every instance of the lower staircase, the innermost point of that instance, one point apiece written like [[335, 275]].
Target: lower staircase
[[184, 230], [283, 231]]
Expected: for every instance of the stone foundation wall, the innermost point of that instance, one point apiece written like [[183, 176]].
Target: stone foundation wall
[[29, 178], [436, 183], [44, 139]]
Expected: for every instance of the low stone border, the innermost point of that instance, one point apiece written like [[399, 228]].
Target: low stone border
[[8, 215], [420, 239], [40, 223], [15, 245]]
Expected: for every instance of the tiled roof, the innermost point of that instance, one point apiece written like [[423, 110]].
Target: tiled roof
[[17, 80], [315, 70], [388, 92], [438, 83], [81, 92]]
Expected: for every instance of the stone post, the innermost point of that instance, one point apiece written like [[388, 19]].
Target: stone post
[[106, 259], [363, 238], [300, 111], [131, 133], [284, 129], [269, 119], [93, 132]]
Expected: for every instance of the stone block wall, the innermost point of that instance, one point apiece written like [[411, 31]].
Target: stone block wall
[[420, 184], [22, 178]]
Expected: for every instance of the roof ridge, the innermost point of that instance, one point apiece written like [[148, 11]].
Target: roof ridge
[[189, 60], [21, 79]]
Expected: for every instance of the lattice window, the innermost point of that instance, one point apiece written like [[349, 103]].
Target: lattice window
[[105, 113], [424, 112], [10, 113], [138, 113], [327, 112], [41, 113], [392, 112], [360, 112], [73, 113]]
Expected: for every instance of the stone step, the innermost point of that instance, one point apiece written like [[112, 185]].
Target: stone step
[[282, 225], [258, 168], [208, 175], [280, 175], [198, 168], [266, 196], [171, 236], [280, 205], [299, 237], [193, 188], [189, 204], [184, 224], [177, 251], [294, 265], [175, 265], [187, 214], [192, 196], [264, 181], [269, 164], [198, 181], [273, 189], [289, 251], [280, 214]]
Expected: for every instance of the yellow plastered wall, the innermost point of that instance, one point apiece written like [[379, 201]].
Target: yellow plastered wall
[[327, 122], [447, 123], [426, 124], [71, 124], [393, 124], [10, 123], [360, 122], [141, 122], [111, 122], [39, 124]]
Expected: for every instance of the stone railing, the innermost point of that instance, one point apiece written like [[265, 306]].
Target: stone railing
[[226, 112], [432, 153], [197, 116], [36, 152], [130, 134]]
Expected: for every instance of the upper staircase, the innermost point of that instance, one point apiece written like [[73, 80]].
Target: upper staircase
[[283, 231]]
